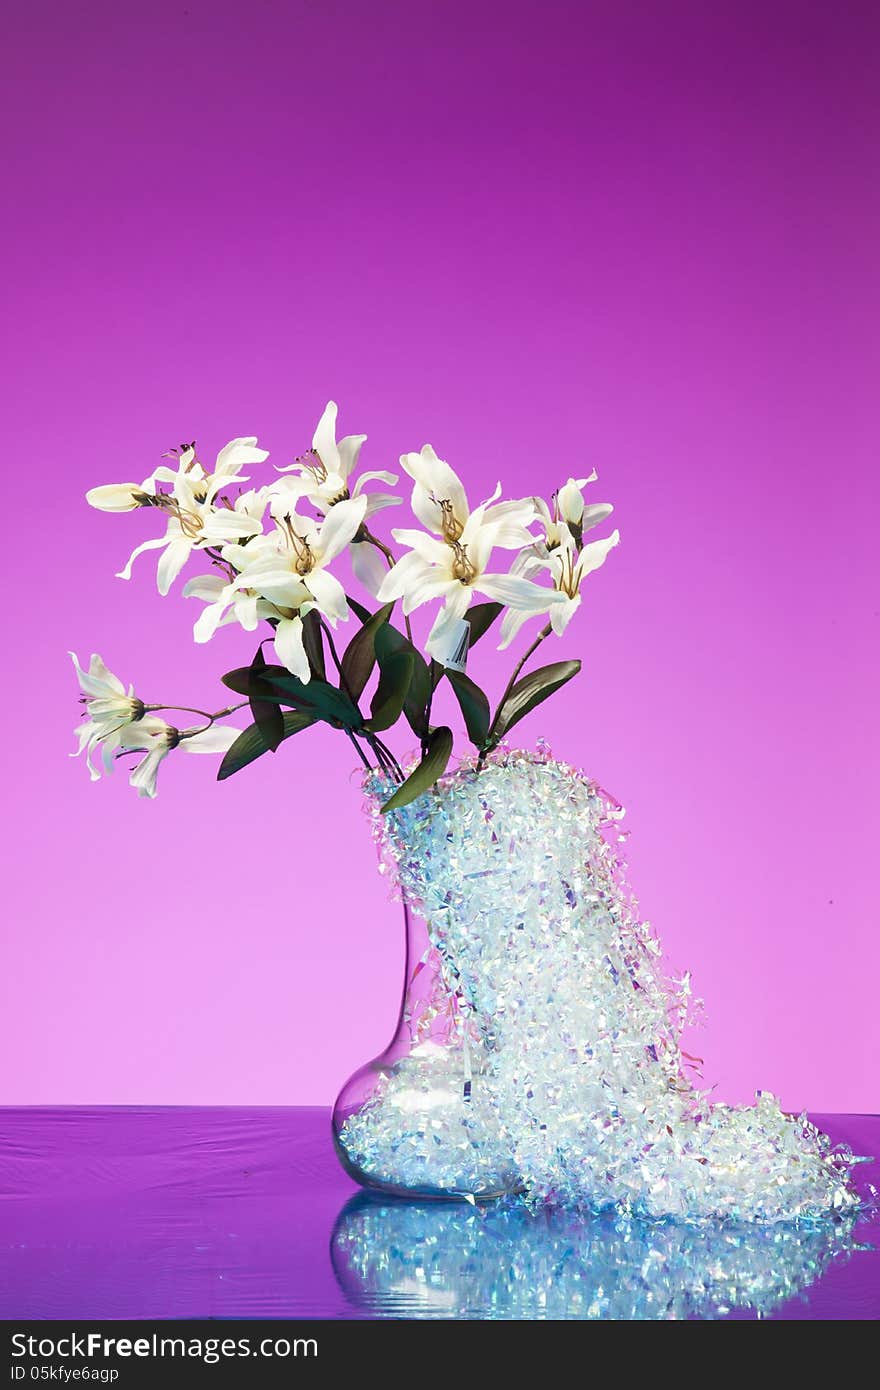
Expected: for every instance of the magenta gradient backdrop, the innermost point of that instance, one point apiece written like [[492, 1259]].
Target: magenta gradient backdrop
[[543, 237]]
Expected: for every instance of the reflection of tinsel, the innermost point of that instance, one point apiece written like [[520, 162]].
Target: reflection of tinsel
[[559, 1061], [444, 1260]]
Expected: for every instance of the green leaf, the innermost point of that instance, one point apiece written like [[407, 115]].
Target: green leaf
[[266, 713], [432, 766], [395, 676], [388, 642], [246, 680], [359, 657], [317, 697], [530, 692], [313, 641], [250, 744], [276, 683], [474, 706], [480, 618], [358, 609]]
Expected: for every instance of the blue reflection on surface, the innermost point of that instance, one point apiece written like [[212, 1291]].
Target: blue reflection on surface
[[395, 1258]]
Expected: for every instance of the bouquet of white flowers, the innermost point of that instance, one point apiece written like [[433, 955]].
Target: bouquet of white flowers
[[273, 553]]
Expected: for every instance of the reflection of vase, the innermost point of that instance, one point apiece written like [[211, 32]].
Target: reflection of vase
[[538, 1046], [410, 1259]]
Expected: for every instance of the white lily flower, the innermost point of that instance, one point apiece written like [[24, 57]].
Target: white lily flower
[[126, 497], [226, 602], [232, 458], [323, 476], [160, 739], [569, 566], [571, 510], [454, 570], [441, 505], [111, 711], [119, 497], [290, 570], [193, 524]]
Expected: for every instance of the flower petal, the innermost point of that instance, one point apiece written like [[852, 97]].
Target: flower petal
[[172, 562], [115, 497], [217, 739], [328, 593], [595, 514], [407, 569], [511, 623], [237, 454], [517, 593], [324, 439], [428, 547], [369, 567], [348, 450], [155, 544], [596, 553], [289, 647], [342, 523]]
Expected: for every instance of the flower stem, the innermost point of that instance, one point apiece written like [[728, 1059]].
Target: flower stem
[[188, 709], [344, 685], [545, 632], [360, 752], [389, 556]]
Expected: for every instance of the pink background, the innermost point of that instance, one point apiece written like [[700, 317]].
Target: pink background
[[543, 237]]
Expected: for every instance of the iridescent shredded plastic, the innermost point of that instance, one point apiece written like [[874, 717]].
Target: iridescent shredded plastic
[[449, 1260], [561, 1070]]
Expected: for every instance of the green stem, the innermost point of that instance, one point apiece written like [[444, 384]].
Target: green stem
[[389, 556], [530, 650], [188, 709]]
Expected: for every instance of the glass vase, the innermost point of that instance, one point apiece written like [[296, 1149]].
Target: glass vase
[[538, 1046], [417, 1119]]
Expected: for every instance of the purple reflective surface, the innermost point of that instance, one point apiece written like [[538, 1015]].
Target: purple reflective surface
[[157, 1213]]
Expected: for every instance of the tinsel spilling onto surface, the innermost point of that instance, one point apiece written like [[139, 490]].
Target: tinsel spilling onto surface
[[504, 1261], [548, 1058]]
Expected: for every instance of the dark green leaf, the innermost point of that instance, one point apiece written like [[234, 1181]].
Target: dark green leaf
[[474, 706], [480, 618], [250, 744], [359, 657], [358, 609], [266, 713], [530, 692], [246, 680], [395, 676], [432, 766], [313, 641], [388, 642], [276, 683], [317, 697]]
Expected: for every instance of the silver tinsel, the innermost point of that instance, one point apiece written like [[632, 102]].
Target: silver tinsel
[[548, 1058]]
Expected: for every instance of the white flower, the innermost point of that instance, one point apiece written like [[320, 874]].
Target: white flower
[[323, 476], [454, 570], [232, 458], [441, 505], [119, 497], [289, 570], [569, 565], [571, 510], [125, 497], [111, 711], [193, 523], [227, 602], [160, 739]]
